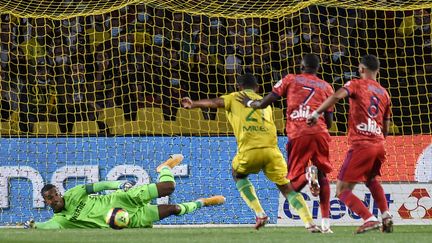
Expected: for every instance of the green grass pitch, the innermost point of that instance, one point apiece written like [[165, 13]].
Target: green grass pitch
[[409, 234]]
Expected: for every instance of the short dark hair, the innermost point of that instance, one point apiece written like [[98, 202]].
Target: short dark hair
[[247, 80], [46, 188], [371, 62], [311, 61]]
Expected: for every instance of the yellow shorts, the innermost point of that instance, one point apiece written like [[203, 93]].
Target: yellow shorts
[[269, 160]]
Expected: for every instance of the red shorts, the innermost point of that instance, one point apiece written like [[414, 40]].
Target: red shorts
[[301, 150], [362, 162]]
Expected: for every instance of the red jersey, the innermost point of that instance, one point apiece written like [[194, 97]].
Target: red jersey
[[369, 106], [305, 93]]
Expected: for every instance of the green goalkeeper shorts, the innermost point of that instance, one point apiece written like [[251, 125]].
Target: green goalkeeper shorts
[[144, 217], [135, 197], [136, 202]]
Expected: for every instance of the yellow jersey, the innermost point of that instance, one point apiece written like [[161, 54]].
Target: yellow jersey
[[252, 128]]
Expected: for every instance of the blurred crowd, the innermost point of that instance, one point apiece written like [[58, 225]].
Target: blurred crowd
[[138, 56]]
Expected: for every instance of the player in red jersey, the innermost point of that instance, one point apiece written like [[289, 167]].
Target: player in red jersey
[[369, 121], [305, 92]]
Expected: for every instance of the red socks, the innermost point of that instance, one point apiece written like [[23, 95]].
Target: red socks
[[355, 204], [324, 197], [378, 195]]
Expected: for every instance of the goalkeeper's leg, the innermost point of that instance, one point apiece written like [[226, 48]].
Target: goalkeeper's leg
[[166, 183], [165, 186], [147, 214], [189, 207]]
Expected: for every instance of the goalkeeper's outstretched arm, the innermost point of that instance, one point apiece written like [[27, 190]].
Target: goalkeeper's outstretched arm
[[108, 185], [50, 224]]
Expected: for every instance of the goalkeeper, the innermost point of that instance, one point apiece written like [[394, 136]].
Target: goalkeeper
[[78, 209]]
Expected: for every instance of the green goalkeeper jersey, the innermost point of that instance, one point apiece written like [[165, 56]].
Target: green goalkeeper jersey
[[82, 210]]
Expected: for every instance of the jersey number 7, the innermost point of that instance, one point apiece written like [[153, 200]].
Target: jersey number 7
[[311, 93]]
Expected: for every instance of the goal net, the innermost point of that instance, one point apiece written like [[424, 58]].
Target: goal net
[[90, 91]]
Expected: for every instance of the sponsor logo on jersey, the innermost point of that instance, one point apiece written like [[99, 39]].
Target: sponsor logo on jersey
[[77, 212], [301, 113], [369, 128], [255, 129]]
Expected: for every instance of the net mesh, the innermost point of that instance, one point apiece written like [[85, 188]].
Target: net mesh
[[231, 9], [79, 78]]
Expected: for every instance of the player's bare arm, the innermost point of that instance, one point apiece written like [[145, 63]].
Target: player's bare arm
[[328, 116], [188, 103], [329, 102], [386, 126], [386, 121], [257, 104]]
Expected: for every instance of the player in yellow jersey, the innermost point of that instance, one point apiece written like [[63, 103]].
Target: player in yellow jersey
[[257, 150]]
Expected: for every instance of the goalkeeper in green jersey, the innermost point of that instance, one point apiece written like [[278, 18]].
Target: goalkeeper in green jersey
[[79, 209]]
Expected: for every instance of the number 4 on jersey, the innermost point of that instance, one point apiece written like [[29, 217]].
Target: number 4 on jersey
[[249, 117]]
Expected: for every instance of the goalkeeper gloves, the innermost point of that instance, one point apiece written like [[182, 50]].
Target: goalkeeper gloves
[[125, 186]]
